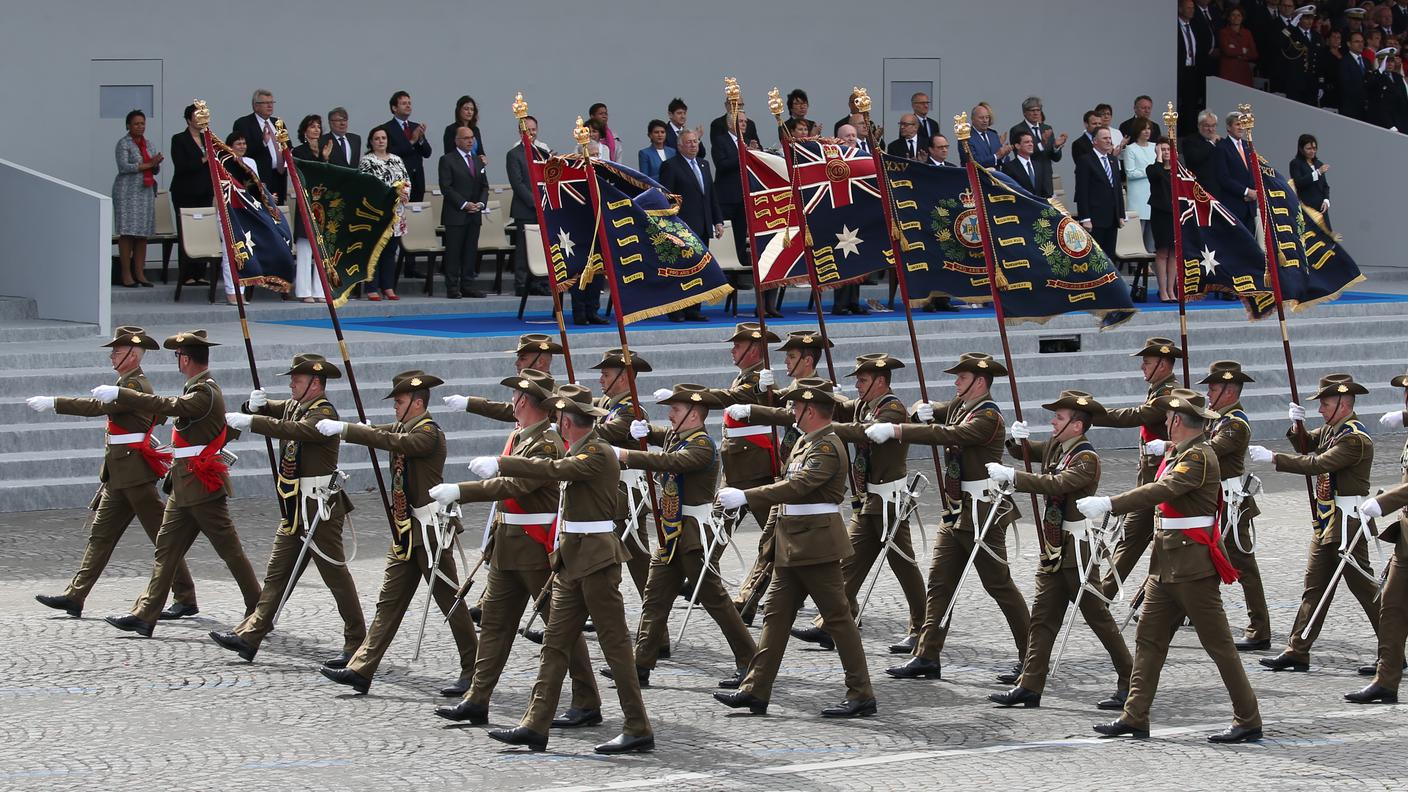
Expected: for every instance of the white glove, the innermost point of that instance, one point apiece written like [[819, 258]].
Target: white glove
[[663, 393], [257, 398], [484, 466], [239, 421], [445, 494], [1259, 453], [1020, 430], [766, 379], [329, 427], [880, 432], [731, 497], [1371, 508], [1295, 412], [456, 403], [107, 394], [924, 412], [1389, 420], [1156, 447], [1002, 474], [44, 403], [1094, 507], [640, 429], [738, 412]]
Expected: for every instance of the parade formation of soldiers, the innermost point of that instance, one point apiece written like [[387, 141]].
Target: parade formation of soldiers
[[580, 477]]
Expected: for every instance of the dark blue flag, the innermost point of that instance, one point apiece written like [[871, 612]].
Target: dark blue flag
[[845, 219], [263, 240], [568, 215], [938, 223], [1219, 253], [1313, 266]]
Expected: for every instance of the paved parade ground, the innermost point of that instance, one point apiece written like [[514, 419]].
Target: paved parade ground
[[83, 706]]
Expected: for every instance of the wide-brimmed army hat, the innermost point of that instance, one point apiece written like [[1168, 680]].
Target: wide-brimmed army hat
[[535, 383], [879, 362], [309, 363], [190, 338], [1158, 346], [536, 342], [805, 339], [751, 331], [690, 394], [616, 358], [1401, 381], [1076, 400], [576, 399], [1225, 371], [1185, 402], [809, 390], [132, 335], [977, 363], [1339, 385], [413, 380]]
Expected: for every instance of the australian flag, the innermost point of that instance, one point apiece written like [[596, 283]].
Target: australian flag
[[1312, 265], [263, 239], [845, 219], [938, 223], [773, 221], [1219, 253], [570, 223]]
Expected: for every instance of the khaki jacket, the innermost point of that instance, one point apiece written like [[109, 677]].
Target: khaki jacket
[[303, 450], [695, 460], [1066, 475], [200, 417], [874, 463], [1229, 437], [744, 463], [420, 441], [123, 466], [1190, 484], [975, 430], [815, 473], [1149, 419], [1341, 463], [511, 549]]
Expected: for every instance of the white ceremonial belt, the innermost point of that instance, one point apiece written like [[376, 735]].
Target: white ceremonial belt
[[126, 439], [1077, 528], [1144, 450], [187, 451], [977, 489], [588, 526], [807, 509], [308, 484], [1349, 504], [701, 514], [632, 477], [1232, 486], [746, 431], [890, 490], [425, 515], [1186, 523], [540, 518]]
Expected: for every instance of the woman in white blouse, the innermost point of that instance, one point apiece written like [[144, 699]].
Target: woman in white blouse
[[390, 169]]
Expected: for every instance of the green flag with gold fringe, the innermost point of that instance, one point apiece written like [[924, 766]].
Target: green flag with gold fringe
[[353, 213]]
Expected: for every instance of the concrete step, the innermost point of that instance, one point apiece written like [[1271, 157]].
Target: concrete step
[[15, 308]]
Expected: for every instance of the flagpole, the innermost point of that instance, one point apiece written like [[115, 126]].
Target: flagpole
[[520, 111], [1170, 122], [313, 232], [202, 117], [583, 137]]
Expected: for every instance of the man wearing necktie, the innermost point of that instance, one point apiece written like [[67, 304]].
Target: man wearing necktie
[[1352, 78], [260, 131], [1192, 85], [1027, 168], [987, 146], [924, 126], [1046, 144], [687, 175], [1233, 185], [347, 147], [909, 144], [1099, 198], [466, 192], [406, 139]]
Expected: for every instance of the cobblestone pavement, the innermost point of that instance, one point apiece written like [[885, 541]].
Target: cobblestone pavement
[[83, 706]]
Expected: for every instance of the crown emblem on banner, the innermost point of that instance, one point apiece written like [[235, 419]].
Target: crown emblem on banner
[[966, 198]]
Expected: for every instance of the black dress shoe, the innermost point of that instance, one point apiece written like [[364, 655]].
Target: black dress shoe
[[177, 610], [773, 313], [1373, 669], [1373, 693], [575, 718], [734, 681], [130, 623], [642, 674], [473, 294], [521, 735], [68, 605], [598, 320], [673, 318], [1114, 702], [1252, 644], [840, 311], [348, 677], [465, 710], [232, 641], [1118, 728], [858, 309], [459, 688], [1009, 677], [850, 708], [1236, 734], [1284, 662], [738, 700], [695, 316], [536, 636], [476, 613], [917, 668], [1015, 696], [454, 296], [906, 646], [340, 661], [627, 743], [814, 635]]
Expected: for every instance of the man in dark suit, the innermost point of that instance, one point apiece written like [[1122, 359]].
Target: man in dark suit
[[1233, 165], [687, 175], [261, 135], [347, 147], [728, 186], [925, 126], [1030, 171], [1197, 150], [406, 139], [677, 122], [1084, 143], [938, 152], [1099, 198], [1192, 85], [1299, 59], [466, 192], [1390, 101], [1352, 78], [910, 144], [523, 209], [1143, 108], [1046, 144]]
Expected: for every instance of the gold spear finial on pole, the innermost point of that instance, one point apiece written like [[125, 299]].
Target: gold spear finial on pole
[[862, 101], [1170, 117], [520, 107], [583, 137], [961, 128], [281, 132], [1248, 120], [202, 114], [775, 104]]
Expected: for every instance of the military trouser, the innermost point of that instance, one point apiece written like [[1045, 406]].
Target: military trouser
[[867, 534], [1055, 592], [639, 548], [755, 585], [1393, 625], [116, 509], [179, 527], [1138, 533], [951, 551], [1319, 568], [653, 634], [1249, 576]]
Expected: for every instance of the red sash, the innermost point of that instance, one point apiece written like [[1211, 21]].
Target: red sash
[[207, 466], [158, 461], [1211, 540], [545, 535], [762, 440]]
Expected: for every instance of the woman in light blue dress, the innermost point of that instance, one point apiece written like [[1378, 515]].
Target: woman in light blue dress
[[1139, 154]]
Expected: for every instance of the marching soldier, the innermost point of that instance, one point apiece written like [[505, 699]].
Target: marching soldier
[[688, 474], [1393, 599], [1340, 462], [535, 351], [1184, 574], [131, 467], [198, 484], [1156, 364], [615, 428], [587, 581], [877, 477], [1070, 470], [971, 434], [417, 448], [802, 350], [810, 541], [524, 524], [310, 500]]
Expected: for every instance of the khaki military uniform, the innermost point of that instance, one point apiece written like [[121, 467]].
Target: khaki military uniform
[[195, 506], [129, 489], [1341, 462], [747, 462], [809, 543], [750, 592], [688, 480], [417, 449], [615, 429], [304, 454], [1229, 436], [518, 566], [1070, 470], [1393, 600], [1183, 581], [588, 561], [972, 435]]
